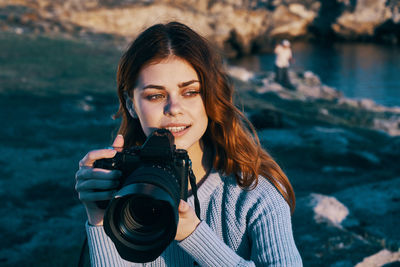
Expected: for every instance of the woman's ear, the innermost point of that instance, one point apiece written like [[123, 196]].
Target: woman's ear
[[129, 105]]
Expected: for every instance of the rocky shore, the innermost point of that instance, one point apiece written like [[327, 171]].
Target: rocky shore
[[57, 98], [238, 27], [342, 157]]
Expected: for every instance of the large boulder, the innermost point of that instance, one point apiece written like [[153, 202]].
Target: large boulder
[[366, 17], [291, 21]]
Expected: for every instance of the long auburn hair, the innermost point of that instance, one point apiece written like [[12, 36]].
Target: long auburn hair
[[234, 139]]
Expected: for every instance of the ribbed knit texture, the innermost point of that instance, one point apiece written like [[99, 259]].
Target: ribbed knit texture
[[238, 228]]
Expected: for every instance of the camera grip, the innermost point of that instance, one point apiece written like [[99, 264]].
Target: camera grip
[[108, 164]]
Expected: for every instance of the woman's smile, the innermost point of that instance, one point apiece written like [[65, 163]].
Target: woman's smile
[[177, 129]]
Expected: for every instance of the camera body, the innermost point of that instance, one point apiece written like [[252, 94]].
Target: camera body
[[142, 217]]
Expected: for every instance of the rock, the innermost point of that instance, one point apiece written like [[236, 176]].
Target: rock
[[310, 79], [348, 102], [238, 27], [291, 21], [338, 169], [267, 118], [270, 87], [363, 21], [379, 259], [315, 101], [311, 92], [324, 111], [390, 126], [337, 246], [367, 104], [329, 140], [240, 73], [385, 191], [280, 138], [375, 205], [330, 93], [343, 263], [392, 147], [367, 156], [328, 209]]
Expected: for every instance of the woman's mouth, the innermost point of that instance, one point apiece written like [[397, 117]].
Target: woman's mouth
[[177, 130]]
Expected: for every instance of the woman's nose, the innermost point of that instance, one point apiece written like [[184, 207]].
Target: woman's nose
[[173, 106]]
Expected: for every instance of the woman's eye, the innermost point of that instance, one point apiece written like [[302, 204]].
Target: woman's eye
[[191, 93], [154, 97]]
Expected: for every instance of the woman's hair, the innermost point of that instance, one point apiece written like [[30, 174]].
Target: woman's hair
[[235, 141]]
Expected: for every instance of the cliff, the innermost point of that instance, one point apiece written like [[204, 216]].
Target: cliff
[[237, 27]]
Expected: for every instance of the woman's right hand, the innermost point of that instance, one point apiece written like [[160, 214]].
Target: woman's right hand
[[94, 184]]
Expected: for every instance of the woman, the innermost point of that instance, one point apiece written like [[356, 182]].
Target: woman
[[171, 78]]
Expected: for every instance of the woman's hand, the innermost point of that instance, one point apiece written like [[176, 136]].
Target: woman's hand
[[188, 221], [94, 184]]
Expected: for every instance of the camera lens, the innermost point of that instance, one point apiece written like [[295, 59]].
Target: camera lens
[[142, 218], [143, 215], [144, 210]]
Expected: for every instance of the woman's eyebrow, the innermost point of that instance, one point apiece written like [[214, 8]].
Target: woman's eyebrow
[[161, 87], [184, 84]]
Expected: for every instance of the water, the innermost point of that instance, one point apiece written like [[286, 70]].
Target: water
[[358, 70]]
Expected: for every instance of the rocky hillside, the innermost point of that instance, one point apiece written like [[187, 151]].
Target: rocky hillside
[[236, 26]]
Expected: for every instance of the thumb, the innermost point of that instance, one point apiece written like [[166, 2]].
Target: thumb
[[118, 143], [183, 207]]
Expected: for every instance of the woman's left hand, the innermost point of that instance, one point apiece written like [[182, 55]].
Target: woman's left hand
[[188, 221]]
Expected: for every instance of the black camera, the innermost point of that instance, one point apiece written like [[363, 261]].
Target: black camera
[[142, 218]]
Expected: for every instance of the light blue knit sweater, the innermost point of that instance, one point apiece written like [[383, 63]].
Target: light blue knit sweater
[[238, 228]]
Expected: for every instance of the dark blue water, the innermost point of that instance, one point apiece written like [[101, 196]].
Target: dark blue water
[[358, 70]]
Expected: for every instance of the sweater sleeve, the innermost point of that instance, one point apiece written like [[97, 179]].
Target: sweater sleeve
[[268, 229], [208, 250], [272, 244], [271, 237], [102, 250]]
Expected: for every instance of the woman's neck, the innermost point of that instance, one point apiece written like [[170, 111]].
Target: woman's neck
[[201, 157]]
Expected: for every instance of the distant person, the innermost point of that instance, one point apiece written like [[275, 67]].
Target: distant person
[[284, 56], [170, 78]]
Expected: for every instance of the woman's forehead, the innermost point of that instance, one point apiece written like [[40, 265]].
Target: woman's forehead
[[172, 70]]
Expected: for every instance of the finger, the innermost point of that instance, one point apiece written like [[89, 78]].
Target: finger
[[94, 155], [89, 185], [87, 173], [96, 196], [118, 143]]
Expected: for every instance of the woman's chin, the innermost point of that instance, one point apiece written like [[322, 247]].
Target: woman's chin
[[182, 146]]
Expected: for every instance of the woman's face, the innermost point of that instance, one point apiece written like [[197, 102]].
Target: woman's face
[[168, 95]]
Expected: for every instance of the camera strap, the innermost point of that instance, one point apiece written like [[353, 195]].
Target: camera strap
[[192, 180]]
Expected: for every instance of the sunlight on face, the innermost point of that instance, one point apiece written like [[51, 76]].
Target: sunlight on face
[[168, 95]]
